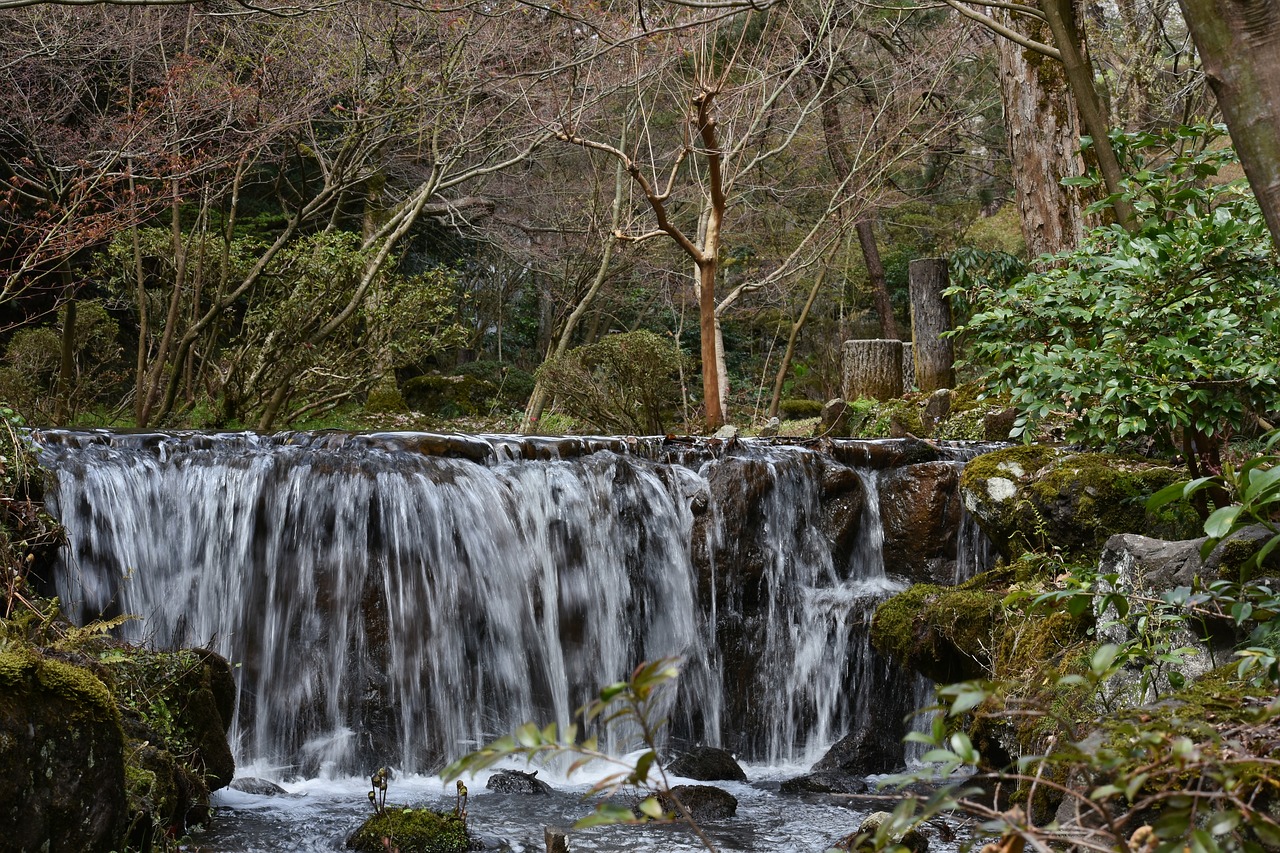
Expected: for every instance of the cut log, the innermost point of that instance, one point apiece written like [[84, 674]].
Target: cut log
[[872, 369], [930, 318]]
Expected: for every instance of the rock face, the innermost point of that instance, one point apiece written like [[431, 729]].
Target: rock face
[[704, 802], [920, 510], [62, 777], [517, 782], [824, 782], [1027, 497], [708, 764], [863, 752]]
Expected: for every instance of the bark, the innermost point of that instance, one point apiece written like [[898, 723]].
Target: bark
[[1043, 135], [67, 354], [872, 369], [930, 318], [1239, 45]]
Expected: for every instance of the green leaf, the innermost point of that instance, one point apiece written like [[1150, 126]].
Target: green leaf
[[606, 814], [652, 808], [1219, 524]]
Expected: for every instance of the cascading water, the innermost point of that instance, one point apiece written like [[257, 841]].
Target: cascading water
[[401, 599]]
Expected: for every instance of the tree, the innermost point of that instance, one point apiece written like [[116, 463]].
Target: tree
[[1236, 40]]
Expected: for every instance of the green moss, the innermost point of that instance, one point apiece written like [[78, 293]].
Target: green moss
[[889, 419], [411, 831], [1021, 461], [386, 399], [16, 664], [79, 685], [943, 632], [799, 409], [969, 425]]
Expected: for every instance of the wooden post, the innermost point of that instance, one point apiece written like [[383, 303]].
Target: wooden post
[[872, 369], [930, 317], [557, 839]]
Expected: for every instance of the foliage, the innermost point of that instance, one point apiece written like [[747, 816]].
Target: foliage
[[637, 702], [1190, 772], [624, 383], [1173, 329], [32, 359]]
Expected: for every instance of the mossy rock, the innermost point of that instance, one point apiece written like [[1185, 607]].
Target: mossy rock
[[449, 396], [62, 776], [944, 633], [385, 399], [798, 409], [1036, 498], [410, 830]]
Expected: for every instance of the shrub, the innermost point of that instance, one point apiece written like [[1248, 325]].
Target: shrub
[[623, 383], [1173, 331]]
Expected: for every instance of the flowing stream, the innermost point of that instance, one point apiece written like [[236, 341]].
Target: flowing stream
[[400, 599]]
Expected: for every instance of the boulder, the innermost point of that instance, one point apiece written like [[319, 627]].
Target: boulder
[[517, 782], [825, 782], [936, 409], [913, 839], [869, 749], [703, 802], [944, 633], [1035, 498], [62, 770], [258, 787], [414, 831], [708, 764], [920, 511], [834, 421]]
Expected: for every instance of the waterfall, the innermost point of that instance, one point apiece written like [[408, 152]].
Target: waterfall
[[401, 599]]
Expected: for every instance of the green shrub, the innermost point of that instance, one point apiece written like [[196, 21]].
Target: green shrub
[[1173, 329], [623, 383]]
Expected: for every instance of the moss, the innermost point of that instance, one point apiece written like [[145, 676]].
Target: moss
[[969, 425], [411, 831], [890, 419], [799, 409], [80, 685], [386, 399], [944, 633], [1035, 498]]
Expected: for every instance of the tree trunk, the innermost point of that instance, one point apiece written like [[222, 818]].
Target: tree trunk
[[785, 367], [930, 318], [1043, 136], [1069, 40], [879, 285], [67, 356], [1239, 44], [872, 369]]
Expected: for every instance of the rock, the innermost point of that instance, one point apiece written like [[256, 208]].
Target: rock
[[704, 802], [867, 750], [728, 432], [834, 421], [1033, 498], [517, 782], [708, 764], [920, 511], [414, 831], [936, 409], [913, 839], [944, 633], [996, 426], [825, 782], [62, 772], [770, 429], [258, 787]]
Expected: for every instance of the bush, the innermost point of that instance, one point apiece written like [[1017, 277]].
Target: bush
[[1170, 331], [624, 383]]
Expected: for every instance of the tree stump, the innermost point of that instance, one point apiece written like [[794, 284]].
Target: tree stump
[[930, 318], [557, 839], [872, 369]]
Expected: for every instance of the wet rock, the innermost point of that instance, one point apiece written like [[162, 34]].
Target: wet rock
[[865, 751], [913, 839], [62, 777], [825, 782], [258, 787], [704, 802], [920, 510], [517, 782], [708, 764]]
